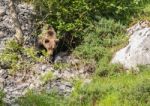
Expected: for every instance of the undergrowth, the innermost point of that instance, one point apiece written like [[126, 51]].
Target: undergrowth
[[14, 57]]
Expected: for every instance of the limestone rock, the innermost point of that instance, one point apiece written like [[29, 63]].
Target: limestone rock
[[2, 11], [137, 52]]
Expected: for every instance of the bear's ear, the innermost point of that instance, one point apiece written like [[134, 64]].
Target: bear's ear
[[50, 32], [50, 27]]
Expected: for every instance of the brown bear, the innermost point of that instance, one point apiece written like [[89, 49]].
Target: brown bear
[[48, 39]]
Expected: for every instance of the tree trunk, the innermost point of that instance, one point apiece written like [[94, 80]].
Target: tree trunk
[[19, 33]]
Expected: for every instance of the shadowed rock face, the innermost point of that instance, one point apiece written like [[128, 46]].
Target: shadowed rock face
[[137, 52]]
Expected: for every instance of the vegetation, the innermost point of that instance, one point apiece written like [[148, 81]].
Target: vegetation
[[46, 76], [10, 55], [1, 97], [14, 57], [72, 17], [91, 30], [120, 89]]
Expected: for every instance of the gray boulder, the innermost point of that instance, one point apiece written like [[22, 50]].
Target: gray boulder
[[137, 52]]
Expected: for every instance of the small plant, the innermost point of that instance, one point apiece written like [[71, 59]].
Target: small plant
[[14, 57], [13, 46], [47, 76], [61, 66], [32, 55], [1, 97]]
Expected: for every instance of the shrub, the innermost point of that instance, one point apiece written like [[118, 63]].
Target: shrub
[[32, 54], [100, 37], [10, 54], [14, 57]]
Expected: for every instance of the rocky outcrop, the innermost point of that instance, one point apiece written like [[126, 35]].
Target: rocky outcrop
[[25, 14], [137, 52], [47, 77]]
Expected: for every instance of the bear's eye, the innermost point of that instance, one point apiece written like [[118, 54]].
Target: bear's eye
[[46, 41]]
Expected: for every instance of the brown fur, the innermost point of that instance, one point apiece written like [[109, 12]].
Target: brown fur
[[48, 40]]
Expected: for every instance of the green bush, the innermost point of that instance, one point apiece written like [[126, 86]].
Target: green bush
[[100, 37]]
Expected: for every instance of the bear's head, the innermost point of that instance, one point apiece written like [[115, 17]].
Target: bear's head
[[48, 40]]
